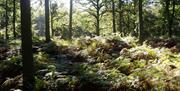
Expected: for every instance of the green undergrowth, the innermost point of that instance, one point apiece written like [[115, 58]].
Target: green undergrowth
[[105, 63], [112, 63]]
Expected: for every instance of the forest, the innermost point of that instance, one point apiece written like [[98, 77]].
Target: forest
[[89, 45]]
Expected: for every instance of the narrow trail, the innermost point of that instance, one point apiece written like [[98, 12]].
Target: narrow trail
[[64, 64]]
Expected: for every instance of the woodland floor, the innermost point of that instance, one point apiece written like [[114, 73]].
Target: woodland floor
[[110, 63]]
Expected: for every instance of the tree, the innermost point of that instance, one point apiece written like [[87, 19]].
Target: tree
[[173, 14], [169, 16], [167, 3], [6, 19], [70, 19], [47, 32], [120, 15], [54, 8], [135, 13], [14, 18], [27, 54], [97, 11], [114, 16], [141, 31]]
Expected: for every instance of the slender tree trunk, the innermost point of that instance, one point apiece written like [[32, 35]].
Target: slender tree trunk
[[14, 18], [70, 19], [27, 54], [114, 16], [120, 16], [128, 23], [97, 27], [141, 31], [97, 19], [135, 9], [52, 27], [6, 19], [52, 18], [172, 19], [173, 14], [168, 17], [97, 24], [47, 32], [164, 24]]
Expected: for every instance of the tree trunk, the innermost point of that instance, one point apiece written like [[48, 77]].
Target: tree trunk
[[97, 25], [6, 19], [167, 2], [114, 16], [97, 19], [47, 32], [70, 19], [120, 16], [141, 31], [27, 54], [172, 19], [52, 27], [135, 25], [173, 14], [14, 18], [52, 18], [128, 24]]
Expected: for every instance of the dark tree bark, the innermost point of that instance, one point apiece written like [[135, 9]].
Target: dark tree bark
[[167, 3], [97, 18], [114, 16], [135, 10], [6, 19], [97, 24], [47, 32], [128, 23], [70, 19], [14, 18], [27, 54], [174, 6], [171, 19], [141, 31], [120, 16], [52, 23], [52, 18]]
